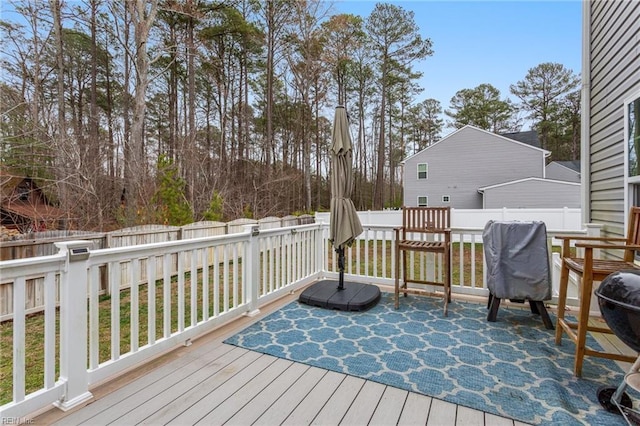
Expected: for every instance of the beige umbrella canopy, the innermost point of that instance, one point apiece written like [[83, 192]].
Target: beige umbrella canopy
[[344, 228], [344, 224]]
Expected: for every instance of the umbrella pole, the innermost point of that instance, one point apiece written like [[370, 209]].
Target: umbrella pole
[[340, 251]]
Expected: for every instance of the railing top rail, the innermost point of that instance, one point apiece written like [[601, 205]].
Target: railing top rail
[[129, 233], [169, 246], [31, 266], [32, 241], [288, 229]]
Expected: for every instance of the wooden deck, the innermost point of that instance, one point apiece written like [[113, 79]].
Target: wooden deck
[[211, 383]]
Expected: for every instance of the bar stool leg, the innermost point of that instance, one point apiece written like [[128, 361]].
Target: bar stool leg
[[583, 322], [404, 272], [562, 301], [397, 286]]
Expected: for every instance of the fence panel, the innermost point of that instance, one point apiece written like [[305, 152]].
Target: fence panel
[[143, 234], [203, 229], [38, 244]]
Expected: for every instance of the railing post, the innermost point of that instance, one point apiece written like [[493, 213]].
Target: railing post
[[251, 268], [321, 253], [73, 324], [593, 230]]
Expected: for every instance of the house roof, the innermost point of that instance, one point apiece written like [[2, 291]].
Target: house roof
[[40, 211], [468, 127], [574, 165], [8, 183], [513, 182], [530, 137]]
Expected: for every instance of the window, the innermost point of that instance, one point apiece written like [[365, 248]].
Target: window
[[423, 201], [446, 199], [423, 171]]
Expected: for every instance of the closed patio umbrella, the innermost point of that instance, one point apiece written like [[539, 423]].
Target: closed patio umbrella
[[344, 228], [344, 224]]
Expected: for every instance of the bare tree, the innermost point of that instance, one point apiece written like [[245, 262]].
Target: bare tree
[[143, 14], [59, 54], [397, 42], [304, 58]]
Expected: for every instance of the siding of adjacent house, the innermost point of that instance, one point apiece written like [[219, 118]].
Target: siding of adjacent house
[[614, 68], [533, 194], [557, 171], [464, 161]]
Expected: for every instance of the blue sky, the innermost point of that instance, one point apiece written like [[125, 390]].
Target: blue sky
[[493, 42]]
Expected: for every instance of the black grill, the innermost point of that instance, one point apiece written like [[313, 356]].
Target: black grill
[[619, 300]]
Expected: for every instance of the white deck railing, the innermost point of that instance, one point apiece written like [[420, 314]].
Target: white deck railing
[[176, 291]]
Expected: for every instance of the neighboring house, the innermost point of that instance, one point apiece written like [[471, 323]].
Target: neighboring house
[[451, 171], [568, 171], [532, 193], [23, 205], [530, 137], [610, 112]]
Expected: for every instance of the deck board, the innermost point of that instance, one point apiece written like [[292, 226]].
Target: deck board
[[493, 420], [389, 408], [415, 410], [442, 413], [184, 393], [280, 410], [339, 403], [198, 400], [145, 391], [249, 413], [468, 417], [309, 407], [364, 404], [229, 407]]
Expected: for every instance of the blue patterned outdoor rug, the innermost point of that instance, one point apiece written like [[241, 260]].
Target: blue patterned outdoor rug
[[511, 367]]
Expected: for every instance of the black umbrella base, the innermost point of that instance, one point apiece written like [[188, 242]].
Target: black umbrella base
[[354, 296]]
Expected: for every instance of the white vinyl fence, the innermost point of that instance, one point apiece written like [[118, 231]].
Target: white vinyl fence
[[557, 220]]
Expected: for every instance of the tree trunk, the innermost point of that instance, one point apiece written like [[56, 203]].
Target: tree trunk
[[135, 162], [191, 133], [62, 128]]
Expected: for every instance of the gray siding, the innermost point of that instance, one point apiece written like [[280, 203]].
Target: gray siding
[[614, 47], [464, 161], [555, 171], [533, 194]]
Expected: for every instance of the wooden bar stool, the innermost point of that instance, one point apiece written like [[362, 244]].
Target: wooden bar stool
[[590, 270], [426, 230]]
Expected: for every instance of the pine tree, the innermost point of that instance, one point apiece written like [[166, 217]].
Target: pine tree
[[172, 207]]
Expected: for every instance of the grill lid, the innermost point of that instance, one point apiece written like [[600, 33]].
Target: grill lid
[[622, 287], [619, 300]]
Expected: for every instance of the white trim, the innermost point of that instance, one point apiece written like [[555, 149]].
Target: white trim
[[628, 180], [418, 200], [448, 200], [585, 108], [418, 171], [512, 182]]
